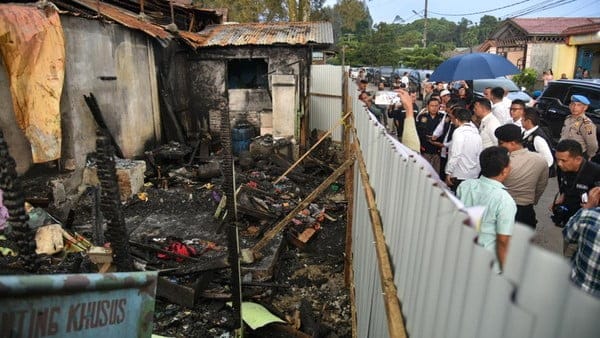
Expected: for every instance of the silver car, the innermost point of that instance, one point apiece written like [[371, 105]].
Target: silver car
[[514, 92]]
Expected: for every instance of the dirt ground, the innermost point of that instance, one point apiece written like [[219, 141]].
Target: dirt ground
[[306, 287]]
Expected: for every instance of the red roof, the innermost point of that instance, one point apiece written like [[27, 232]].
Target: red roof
[[583, 29], [551, 26]]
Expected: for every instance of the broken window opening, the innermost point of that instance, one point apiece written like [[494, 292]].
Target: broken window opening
[[247, 74]]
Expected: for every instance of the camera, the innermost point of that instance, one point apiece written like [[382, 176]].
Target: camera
[[560, 214]]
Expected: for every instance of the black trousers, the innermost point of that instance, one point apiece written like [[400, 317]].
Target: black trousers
[[526, 215]]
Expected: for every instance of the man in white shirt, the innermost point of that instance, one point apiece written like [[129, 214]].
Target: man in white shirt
[[464, 150], [517, 110], [404, 79], [500, 106], [535, 139], [489, 123]]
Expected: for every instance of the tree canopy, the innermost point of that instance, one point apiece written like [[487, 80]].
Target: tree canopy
[[362, 42]]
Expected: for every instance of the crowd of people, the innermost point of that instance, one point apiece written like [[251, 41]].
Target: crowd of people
[[491, 151]]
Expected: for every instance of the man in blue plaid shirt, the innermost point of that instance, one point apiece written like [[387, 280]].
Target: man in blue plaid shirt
[[584, 229]]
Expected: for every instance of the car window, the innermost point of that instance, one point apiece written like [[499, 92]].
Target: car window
[[480, 85], [593, 94], [557, 91]]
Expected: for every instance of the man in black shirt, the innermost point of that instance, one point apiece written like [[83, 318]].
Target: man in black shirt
[[426, 125], [576, 178]]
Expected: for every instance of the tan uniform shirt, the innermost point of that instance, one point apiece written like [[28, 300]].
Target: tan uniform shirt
[[528, 176], [582, 130]]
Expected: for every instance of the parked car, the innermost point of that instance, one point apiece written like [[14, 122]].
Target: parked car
[[554, 103], [354, 72], [385, 74], [514, 92], [416, 78]]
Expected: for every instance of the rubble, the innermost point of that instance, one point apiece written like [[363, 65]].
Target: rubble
[[173, 224]]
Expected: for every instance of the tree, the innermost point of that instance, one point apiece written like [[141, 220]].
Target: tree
[[487, 24], [265, 10], [351, 12]]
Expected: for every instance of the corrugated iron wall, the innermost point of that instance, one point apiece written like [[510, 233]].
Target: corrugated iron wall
[[445, 281], [326, 98]]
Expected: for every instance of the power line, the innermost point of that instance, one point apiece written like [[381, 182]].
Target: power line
[[481, 12], [539, 7]]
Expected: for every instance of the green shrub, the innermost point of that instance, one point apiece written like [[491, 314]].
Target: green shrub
[[526, 79]]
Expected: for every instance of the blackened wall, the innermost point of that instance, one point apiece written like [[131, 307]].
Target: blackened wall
[[208, 81]]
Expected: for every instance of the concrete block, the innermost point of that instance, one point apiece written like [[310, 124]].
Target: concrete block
[[130, 177]]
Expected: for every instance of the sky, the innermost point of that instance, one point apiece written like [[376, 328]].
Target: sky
[[388, 10]]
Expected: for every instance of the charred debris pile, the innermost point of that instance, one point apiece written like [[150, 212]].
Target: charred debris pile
[[291, 231]]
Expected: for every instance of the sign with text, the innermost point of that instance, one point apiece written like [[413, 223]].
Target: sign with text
[[83, 305]]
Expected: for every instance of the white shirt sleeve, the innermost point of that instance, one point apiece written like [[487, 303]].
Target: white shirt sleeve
[[541, 146], [454, 153], [439, 129]]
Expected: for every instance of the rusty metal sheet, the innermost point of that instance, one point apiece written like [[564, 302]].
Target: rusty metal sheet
[[290, 33], [127, 19], [32, 46], [78, 305]]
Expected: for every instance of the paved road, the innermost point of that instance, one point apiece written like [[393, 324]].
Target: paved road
[[547, 234]]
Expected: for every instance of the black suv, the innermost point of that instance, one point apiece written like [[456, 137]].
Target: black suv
[[416, 78], [384, 74], [554, 103]]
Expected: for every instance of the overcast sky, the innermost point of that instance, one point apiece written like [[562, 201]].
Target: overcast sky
[[454, 10]]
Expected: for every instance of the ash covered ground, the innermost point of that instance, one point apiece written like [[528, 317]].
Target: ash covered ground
[[306, 285]]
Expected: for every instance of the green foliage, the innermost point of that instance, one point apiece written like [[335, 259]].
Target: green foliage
[[361, 42], [526, 79]]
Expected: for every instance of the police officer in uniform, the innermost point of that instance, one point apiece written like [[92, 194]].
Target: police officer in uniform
[[426, 123], [576, 177], [579, 127]]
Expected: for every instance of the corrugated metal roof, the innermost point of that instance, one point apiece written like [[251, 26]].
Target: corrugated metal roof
[[126, 19], [154, 22], [289, 33], [550, 26]]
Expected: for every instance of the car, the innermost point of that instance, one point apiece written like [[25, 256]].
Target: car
[[354, 72], [384, 74], [514, 92], [553, 103], [416, 78]]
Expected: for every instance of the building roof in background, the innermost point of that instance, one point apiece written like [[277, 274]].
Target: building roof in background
[[550, 26], [583, 29], [288, 33]]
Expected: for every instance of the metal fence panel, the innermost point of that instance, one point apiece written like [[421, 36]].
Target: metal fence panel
[[445, 281], [477, 284], [326, 99], [544, 289], [495, 307], [81, 305], [580, 318]]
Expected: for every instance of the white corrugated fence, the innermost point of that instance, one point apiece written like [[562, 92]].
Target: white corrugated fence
[[445, 281]]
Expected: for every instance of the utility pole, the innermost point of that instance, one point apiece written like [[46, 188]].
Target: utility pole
[[425, 27]]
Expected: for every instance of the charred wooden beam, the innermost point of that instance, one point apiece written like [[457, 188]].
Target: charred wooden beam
[[97, 114], [279, 226], [110, 205], [14, 200]]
